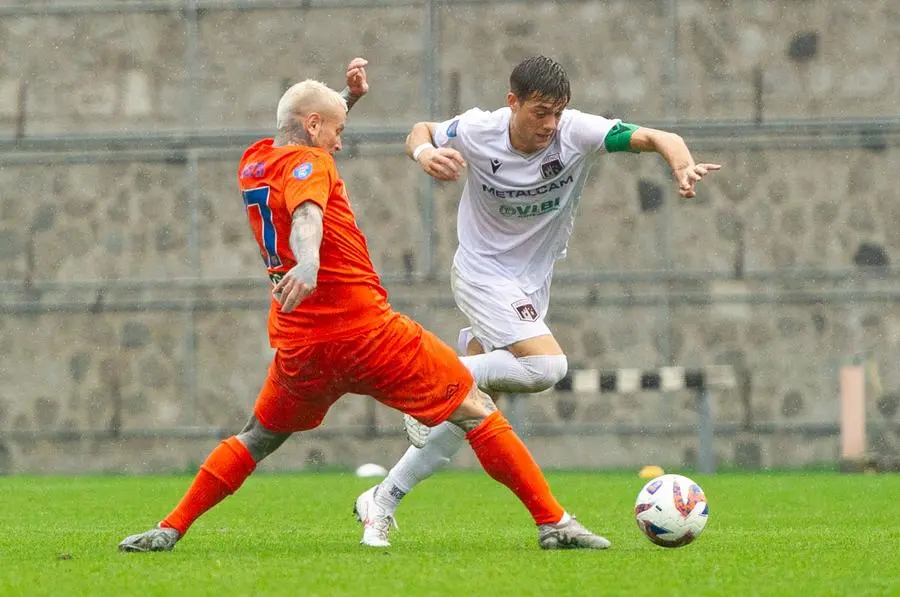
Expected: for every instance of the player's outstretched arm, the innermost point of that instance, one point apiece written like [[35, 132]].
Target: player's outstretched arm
[[357, 84], [442, 163], [306, 238], [676, 153]]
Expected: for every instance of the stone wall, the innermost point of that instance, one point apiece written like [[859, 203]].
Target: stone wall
[[102, 71], [144, 378]]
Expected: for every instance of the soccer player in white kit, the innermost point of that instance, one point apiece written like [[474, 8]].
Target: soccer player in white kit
[[525, 167]]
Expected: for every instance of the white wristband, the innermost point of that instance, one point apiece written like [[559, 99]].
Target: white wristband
[[418, 150]]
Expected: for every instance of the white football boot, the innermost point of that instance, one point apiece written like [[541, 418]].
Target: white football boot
[[376, 521], [569, 535], [157, 539]]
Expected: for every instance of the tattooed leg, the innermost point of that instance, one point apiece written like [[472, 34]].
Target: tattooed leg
[[258, 440], [473, 411]]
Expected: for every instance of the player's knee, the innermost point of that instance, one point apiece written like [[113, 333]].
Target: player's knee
[[544, 371]]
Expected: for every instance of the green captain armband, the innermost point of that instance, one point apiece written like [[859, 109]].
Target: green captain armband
[[619, 137]]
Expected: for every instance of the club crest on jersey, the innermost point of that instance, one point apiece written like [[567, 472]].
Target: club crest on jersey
[[303, 171], [525, 310], [254, 170], [551, 166]]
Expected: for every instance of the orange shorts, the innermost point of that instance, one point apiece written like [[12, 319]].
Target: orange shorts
[[399, 363]]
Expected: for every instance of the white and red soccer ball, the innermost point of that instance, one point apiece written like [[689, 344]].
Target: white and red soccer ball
[[671, 510]]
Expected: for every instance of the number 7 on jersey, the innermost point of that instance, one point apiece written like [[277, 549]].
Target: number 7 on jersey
[[257, 203]]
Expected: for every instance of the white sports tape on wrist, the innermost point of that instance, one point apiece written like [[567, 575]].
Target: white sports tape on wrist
[[418, 150]]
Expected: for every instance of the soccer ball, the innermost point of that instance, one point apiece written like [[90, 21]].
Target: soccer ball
[[671, 510]]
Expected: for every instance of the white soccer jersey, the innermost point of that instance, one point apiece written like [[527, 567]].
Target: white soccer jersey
[[517, 211]]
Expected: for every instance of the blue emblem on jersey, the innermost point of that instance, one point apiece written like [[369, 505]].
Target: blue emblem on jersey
[[451, 130], [303, 171]]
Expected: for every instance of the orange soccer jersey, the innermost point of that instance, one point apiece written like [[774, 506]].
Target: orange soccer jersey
[[349, 297]]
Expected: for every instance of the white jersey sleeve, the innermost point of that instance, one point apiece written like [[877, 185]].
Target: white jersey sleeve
[[586, 132], [453, 133]]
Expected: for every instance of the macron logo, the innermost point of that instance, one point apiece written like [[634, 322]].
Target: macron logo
[[495, 165]]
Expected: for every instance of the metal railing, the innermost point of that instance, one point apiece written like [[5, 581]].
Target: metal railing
[[867, 133]]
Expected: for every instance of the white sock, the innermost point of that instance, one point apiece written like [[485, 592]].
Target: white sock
[[417, 464], [501, 371]]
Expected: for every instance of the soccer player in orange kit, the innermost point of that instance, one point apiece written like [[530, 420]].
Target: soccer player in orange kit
[[335, 333]]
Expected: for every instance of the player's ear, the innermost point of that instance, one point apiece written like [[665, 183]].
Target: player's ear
[[312, 123], [512, 101]]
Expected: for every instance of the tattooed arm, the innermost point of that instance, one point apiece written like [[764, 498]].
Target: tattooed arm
[[349, 97], [306, 238], [357, 85]]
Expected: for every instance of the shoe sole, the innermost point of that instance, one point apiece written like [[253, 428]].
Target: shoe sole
[[571, 547]]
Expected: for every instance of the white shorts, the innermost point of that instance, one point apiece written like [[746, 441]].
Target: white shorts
[[499, 311]]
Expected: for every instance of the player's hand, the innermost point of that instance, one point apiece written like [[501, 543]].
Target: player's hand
[[442, 163], [687, 177], [356, 77], [291, 291]]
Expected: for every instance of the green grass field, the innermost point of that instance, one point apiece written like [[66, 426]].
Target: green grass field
[[806, 534]]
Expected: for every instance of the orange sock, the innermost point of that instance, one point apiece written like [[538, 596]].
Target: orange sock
[[224, 471], [506, 459]]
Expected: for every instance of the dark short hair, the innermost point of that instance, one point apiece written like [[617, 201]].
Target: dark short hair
[[542, 77]]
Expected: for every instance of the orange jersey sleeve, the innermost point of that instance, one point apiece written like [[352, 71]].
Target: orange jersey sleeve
[[309, 177]]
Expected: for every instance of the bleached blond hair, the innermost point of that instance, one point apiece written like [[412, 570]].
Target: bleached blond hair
[[305, 98]]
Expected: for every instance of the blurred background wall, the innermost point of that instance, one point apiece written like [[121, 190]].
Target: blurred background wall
[[134, 301]]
